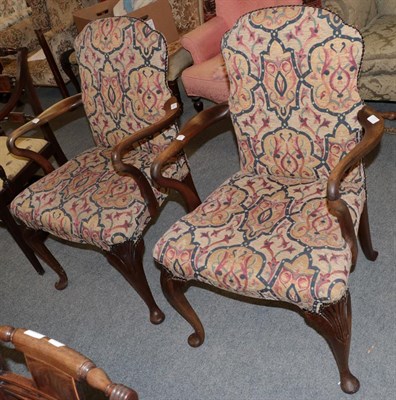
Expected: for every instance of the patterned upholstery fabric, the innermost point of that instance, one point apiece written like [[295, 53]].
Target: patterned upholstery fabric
[[12, 164], [187, 14], [55, 19], [12, 11], [40, 17], [122, 67], [377, 23], [267, 232], [20, 33]]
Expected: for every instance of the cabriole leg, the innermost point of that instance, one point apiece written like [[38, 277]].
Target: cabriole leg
[[334, 324], [36, 242], [127, 258], [174, 291]]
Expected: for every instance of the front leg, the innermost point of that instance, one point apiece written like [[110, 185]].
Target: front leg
[[333, 322]]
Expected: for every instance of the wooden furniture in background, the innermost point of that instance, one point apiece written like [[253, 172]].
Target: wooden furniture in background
[[57, 371], [17, 172], [313, 3]]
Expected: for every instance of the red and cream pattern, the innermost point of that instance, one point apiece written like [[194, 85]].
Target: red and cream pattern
[[123, 67], [267, 231]]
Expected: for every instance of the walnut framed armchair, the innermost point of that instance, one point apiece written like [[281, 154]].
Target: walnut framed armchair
[[105, 196], [285, 227]]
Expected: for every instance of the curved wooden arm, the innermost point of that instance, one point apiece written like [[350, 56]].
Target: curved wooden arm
[[337, 206], [192, 128], [69, 104], [391, 115], [172, 111]]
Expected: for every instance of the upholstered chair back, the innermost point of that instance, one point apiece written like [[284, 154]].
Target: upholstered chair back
[[123, 78], [293, 97], [230, 11]]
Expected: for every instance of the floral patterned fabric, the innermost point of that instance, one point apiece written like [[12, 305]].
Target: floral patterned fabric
[[12, 11], [55, 19], [187, 14], [267, 231], [123, 68]]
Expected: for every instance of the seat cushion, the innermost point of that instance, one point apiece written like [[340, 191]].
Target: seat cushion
[[208, 79], [12, 164], [86, 201], [266, 238]]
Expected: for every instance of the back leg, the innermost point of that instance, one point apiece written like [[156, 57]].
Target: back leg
[[36, 242], [16, 233], [365, 236]]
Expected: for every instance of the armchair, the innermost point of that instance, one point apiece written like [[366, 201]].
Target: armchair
[[285, 227], [105, 196], [57, 371], [207, 77], [376, 20]]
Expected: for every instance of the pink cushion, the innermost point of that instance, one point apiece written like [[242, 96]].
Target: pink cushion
[[208, 79]]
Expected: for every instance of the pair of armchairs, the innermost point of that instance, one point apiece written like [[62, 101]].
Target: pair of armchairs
[[283, 228], [47, 29], [376, 20]]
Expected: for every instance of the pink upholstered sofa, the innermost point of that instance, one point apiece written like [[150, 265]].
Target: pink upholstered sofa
[[207, 77]]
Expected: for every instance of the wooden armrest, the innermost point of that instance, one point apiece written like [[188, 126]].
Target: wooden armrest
[[192, 128], [391, 115], [63, 106], [372, 136], [172, 112]]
